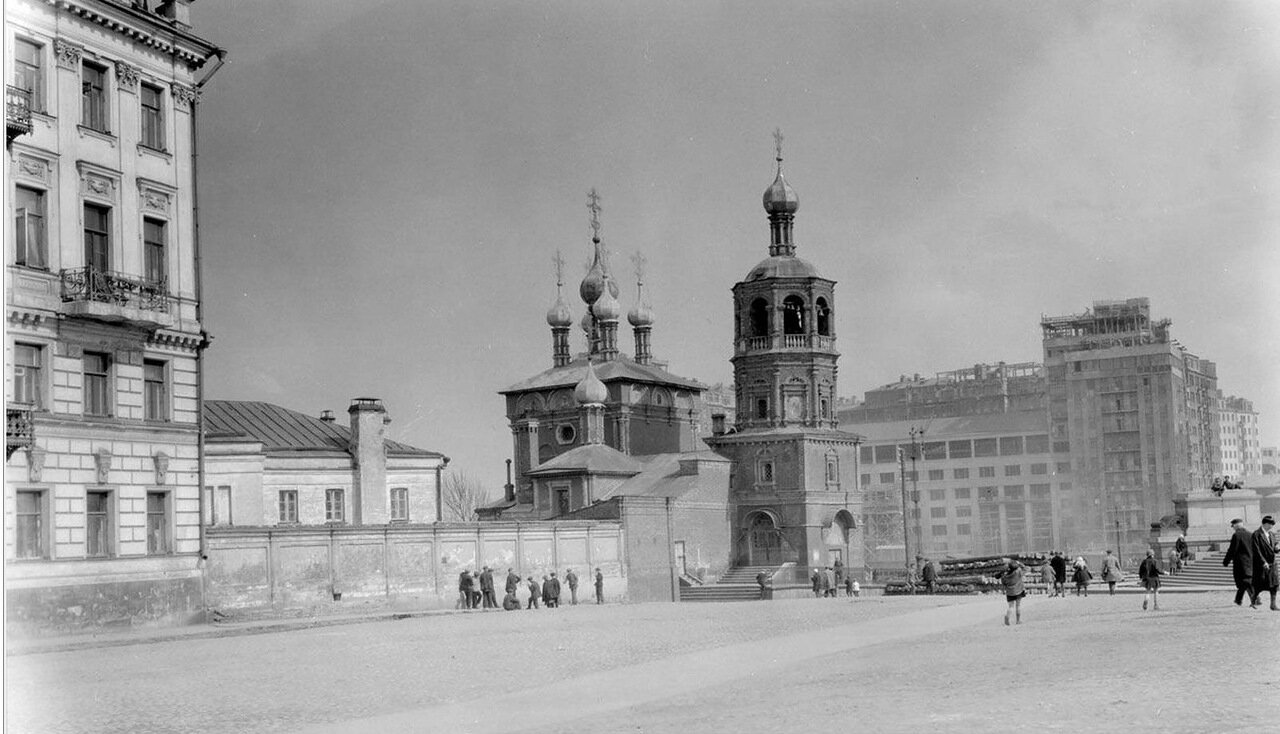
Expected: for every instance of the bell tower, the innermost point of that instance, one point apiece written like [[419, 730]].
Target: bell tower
[[794, 487]]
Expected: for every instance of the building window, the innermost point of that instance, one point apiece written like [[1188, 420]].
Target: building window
[[823, 313], [962, 529], [866, 480], [960, 449], [962, 493], [334, 508], [30, 524], [960, 474], [762, 408], [158, 539], [154, 238], [155, 391], [288, 506], [793, 315], [936, 475], [764, 472], [96, 379], [1063, 467], [29, 229], [219, 504], [937, 512], [565, 433], [833, 470], [939, 530], [758, 317], [964, 511], [984, 447], [1013, 491], [986, 471], [28, 375], [97, 524], [1039, 468], [937, 495], [1010, 445], [93, 97], [886, 477], [400, 504], [1012, 470], [28, 71], [97, 238], [152, 117]]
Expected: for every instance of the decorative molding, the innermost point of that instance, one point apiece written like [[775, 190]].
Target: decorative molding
[[161, 460], [31, 319], [153, 199], [68, 54], [127, 76], [102, 458], [30, 166], [35, 462], [184, 97], [172, 340], [98, 181], [120, 25]]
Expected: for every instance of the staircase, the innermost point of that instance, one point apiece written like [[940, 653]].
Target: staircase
[[1207, 570], [739, 584]]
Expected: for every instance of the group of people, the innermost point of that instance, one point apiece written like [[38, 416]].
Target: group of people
[[827, 581], [1054, 574], [476, 590], [1252, 557]]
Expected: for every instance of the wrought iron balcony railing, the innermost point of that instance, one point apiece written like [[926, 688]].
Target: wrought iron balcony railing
[[17, 112], [19, 428], [104, 286]]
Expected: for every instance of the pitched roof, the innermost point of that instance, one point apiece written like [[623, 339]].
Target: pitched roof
[[281, 429], [593, 458], [663, 476], [615, 370]]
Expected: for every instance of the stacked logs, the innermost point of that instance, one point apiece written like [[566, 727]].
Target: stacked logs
[[973, 575]]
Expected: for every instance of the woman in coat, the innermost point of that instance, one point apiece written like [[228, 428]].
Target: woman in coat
[[1080, 574], [1111, 572], [1149, 572]]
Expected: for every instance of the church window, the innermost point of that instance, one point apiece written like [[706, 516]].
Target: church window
[[793, 315], [762, 408], [833, 470], [566, 433], [759, 317], [765, 472], [823, 313]]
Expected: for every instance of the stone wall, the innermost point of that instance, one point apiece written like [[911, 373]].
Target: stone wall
[[263, 571]]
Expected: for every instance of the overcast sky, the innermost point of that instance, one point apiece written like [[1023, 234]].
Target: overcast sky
[[384, 186]]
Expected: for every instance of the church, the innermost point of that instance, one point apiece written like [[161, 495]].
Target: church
[[606, 436]]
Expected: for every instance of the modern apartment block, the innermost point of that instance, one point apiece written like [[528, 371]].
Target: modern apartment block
[[1138, 414], [978, 390], [1241, 445], [102, 295]]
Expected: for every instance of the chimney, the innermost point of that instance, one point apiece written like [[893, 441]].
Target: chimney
[[327, 416], [369, 496], [717, 424], [509, 488]]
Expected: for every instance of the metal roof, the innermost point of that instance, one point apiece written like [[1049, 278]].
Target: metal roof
[[281, 429], [615, 370]]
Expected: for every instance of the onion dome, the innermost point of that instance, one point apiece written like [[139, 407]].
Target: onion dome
[[586, 322], [640, 315], [780, 198], [597, 280], [607, 308], [558, 315], [590, 390]]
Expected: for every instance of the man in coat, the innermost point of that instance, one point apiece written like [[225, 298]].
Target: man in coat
[[535, 593], [929, 575], [551, 590], [1264, 561], [1059, 564], [513, 581], [1240, 557], [486, 589], [571, 579], [599, 587]]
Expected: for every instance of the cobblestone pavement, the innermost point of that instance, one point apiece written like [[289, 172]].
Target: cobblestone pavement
[[878, 664]]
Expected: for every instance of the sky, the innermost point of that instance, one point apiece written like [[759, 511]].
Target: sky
[[384, 186]]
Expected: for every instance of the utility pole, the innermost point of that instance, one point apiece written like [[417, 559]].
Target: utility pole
[[1116, 508], [916, 433], [906, 546]]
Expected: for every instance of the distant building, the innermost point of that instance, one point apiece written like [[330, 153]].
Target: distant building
[[1137, 412], [104, 327], [982, 389], [1270, 461], [1238, 437], [268, 466]]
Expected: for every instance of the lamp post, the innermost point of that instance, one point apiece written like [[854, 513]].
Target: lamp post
[[906, 546], [1119, 557], [916, 433]]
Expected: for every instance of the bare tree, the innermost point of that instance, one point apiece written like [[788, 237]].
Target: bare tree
[[460, 496]]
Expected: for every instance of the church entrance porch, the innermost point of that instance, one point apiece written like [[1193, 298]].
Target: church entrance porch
[[763, 541]]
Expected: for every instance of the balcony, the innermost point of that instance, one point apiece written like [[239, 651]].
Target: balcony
[[19, 428], [116, 298], [17, 112], [818, 342]]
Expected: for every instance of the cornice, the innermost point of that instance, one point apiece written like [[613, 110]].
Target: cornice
[[26, 318], [175, 340], [191, 49]]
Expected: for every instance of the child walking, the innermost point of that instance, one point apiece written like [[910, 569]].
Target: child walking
[[1014, 590], [1149, 572]]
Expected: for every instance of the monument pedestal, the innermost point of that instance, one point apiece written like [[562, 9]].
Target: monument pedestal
[[1209, 516]]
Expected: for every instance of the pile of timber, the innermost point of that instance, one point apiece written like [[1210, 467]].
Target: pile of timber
[[973, 575]]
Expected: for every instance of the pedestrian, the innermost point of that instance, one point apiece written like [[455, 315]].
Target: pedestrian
[[1081, 574], [486, 589], [857, 588], [534, 594], [839, 569], [849, 583], [546, 591], [509, 602], [1265, 577], [1014, 589], [929, 575], [1046, 577], [1110, 572], [513, 581], [571, 579], [552, 590], [816, 578], [1240, 557], [1180, 545], [464, 590], [1059, 563], [1149, 573], [828, 580], [1174, 561], [761, 581], [474, 584], [599, 587]]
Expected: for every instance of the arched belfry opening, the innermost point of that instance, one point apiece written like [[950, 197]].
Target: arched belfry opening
[[793, 315], [822, 314], [759, 317]]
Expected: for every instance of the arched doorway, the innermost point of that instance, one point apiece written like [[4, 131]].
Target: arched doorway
[[836, 538], [764, 541]]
